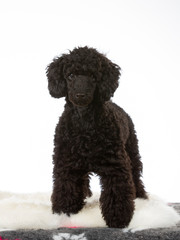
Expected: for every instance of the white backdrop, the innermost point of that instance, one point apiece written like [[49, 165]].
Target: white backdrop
[[141, 36]]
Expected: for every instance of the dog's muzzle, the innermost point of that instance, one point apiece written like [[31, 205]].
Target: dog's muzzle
[[80, 99]]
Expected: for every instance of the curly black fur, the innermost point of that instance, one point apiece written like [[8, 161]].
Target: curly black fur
[[93, 135]]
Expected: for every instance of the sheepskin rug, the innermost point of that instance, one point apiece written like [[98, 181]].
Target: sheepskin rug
[[33, 211]]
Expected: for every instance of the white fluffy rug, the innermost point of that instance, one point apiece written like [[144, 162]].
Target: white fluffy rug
[[33, 211]]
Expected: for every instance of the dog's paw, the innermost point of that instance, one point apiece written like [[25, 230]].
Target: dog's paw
[[72, 207], [118, 224], [119, 219]]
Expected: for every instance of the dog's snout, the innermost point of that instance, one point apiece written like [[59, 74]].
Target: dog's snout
[[80, 95]]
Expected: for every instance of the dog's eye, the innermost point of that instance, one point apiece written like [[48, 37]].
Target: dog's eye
[[70, 77]]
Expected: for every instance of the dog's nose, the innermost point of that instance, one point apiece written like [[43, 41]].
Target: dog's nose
[[80, 95]]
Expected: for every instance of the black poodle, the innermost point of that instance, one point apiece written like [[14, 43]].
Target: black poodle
[[93, 135]]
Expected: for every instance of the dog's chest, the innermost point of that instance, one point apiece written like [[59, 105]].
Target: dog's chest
[[85, 143], [92, 136], [91, 142]]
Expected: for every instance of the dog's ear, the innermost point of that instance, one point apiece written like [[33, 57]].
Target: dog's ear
[[110, 73], [56, 81]]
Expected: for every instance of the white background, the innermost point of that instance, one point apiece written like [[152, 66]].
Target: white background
[[141, 36]]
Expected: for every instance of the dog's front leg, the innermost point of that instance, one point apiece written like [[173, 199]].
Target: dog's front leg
[[68, 179], [67, 194], [116, 201], [118, 190]]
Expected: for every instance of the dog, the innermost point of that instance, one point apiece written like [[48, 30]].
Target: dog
[[93, 135]]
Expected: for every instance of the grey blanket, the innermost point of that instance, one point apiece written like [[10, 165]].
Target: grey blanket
[[94, 233]]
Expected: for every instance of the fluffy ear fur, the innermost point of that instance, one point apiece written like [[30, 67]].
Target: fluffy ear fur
[[107, 72], [110, 74], [56, 82]]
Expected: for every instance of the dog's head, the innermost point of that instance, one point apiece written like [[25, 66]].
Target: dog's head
[[83, 75]]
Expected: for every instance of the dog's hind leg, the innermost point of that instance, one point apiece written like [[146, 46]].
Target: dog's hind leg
[[136, 164], [86, 186]]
